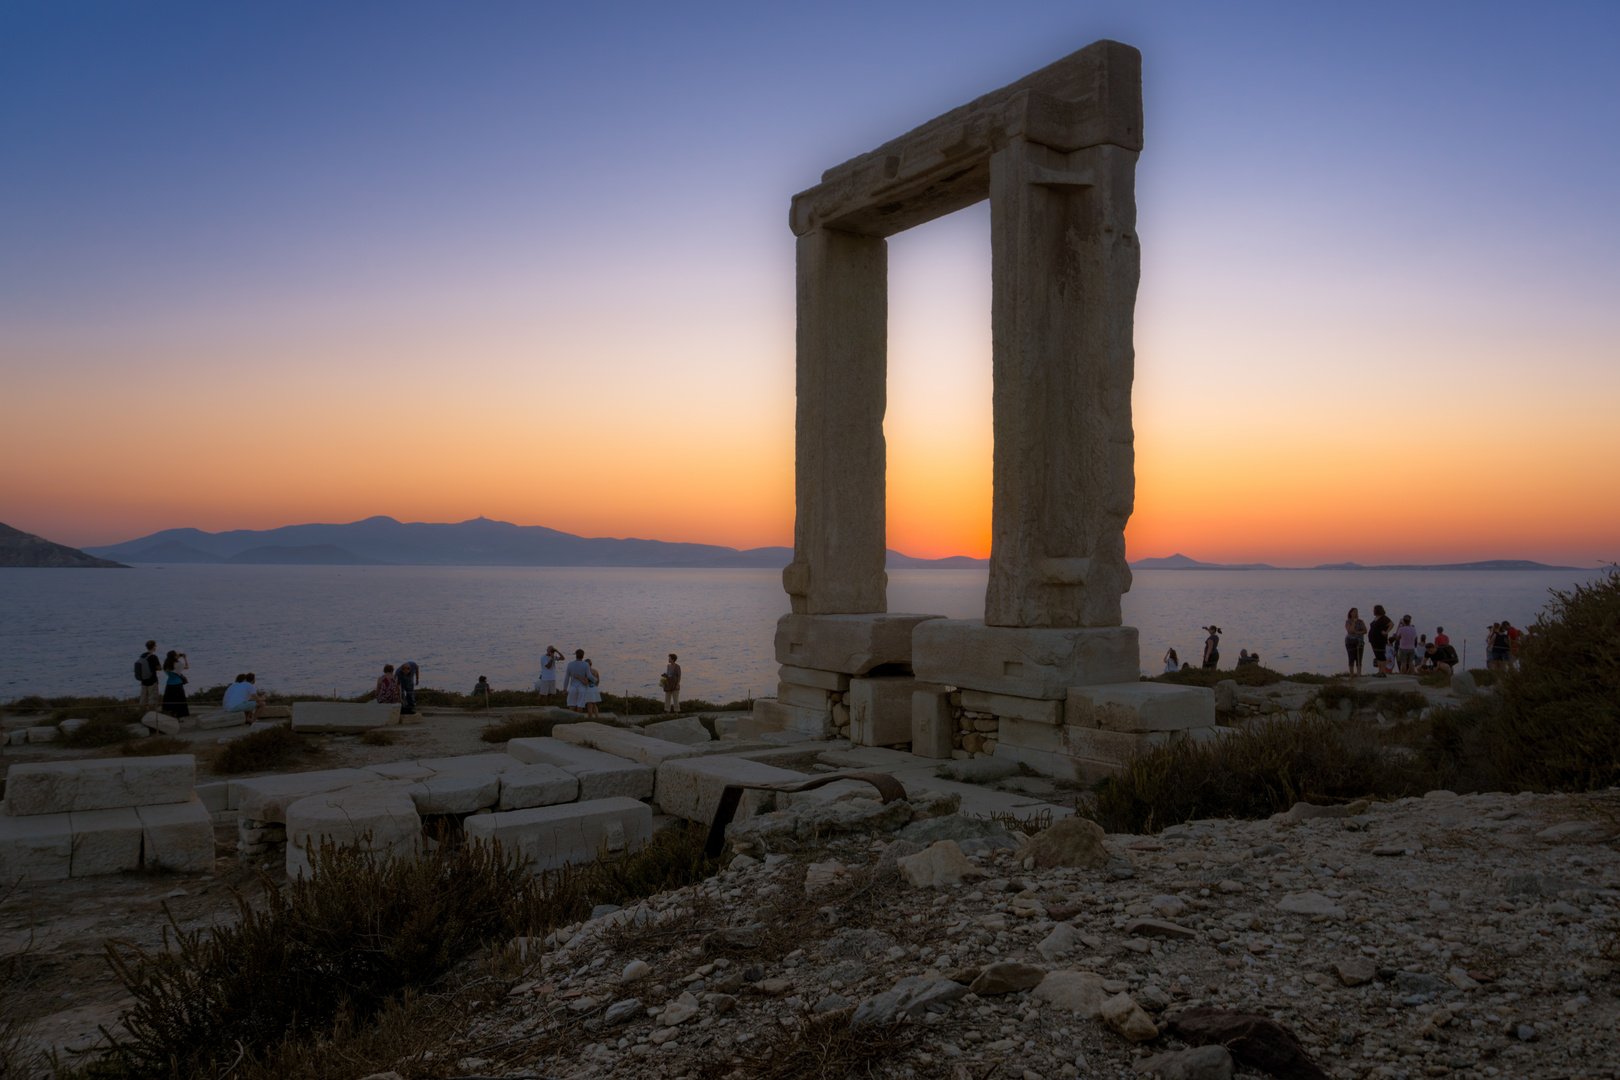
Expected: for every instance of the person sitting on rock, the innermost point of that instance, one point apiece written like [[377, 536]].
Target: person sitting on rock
[[1245, 657], [243, 696], [481, 688]]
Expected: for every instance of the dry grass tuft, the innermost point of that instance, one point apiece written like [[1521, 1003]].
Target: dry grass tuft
[[824, 1047], [268, 749], [379, 737], [155, 745]]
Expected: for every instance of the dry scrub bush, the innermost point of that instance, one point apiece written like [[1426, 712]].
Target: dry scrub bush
[[267, 749], [103, 729], [155, 745]]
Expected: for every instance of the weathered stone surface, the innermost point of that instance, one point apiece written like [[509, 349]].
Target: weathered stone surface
[[178, 837], [931, 724], [374, 818], [537, 785], [1006, 977], [833, 681], [850, 643], [459, 792], [880, 709], [1077, 991], [691, 787], [1140, 706], [108, 841], [42, 733], [342, 716], [910, 997], [1059, 765], [1124, 1015], [1213, 1062], [1462, 683], [215, 796], [547, 837], [622, 1012], [1355, 971], [804, 697], [59, 787], [772, 715], [35, 847], [979, 770], [600, 775], [1304, 811], [1310, 903], [1032, 710], [1160, 928], [1024, 662], [1073, 841], [621, 743], [266, 798], [688, 731], [941, 863], [809, 819], [1060, 942], [213, 721]]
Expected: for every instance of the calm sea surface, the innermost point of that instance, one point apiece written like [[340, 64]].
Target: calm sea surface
[[329, 628]]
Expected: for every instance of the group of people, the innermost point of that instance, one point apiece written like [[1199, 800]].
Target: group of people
[[1396, 647], [1212, 653], [581, 683], [397, 686], [163, 681]]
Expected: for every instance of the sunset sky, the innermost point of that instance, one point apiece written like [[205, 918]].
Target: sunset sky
[[263, 264]]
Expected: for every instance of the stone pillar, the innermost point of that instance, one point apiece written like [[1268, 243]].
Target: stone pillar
[[839, 530], [1065, 262]]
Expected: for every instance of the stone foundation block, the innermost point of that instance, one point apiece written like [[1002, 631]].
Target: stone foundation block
[[108, 841], [1093, 744], [1058, 766], [780, 716], [537, 785], [835, 682], [214, 720], [855, 644], [404, 770], [35, 847], [266, 798], [688, 731], [1024, 662], [805, 697], [342, 717], [1035, 710], [460, 792], [600, 776], [621, 743], [547, 837], [377, 819], [179, 836], [493, 762], [880, 709], [216, 796], [1141, 706], [691, 789], [931, 723], [59, 787]]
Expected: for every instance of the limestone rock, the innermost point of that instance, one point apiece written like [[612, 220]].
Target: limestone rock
[[621, 1012], [985, 770], [1213, 1062], [1124, 1015], [688, 731], [679, 1011], [909, 997], [1226, 695], [1355, 971], [1310, 903], [1007, 977], [538, 784], [1077, 991], [1462, 683], [635, 971], [1074, 841], [1060, 942], [940, 864]]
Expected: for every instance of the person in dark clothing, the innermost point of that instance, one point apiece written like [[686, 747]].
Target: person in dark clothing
[[1212, 647], [1378, 637], [409, 675], [146, 673], [174, 684]]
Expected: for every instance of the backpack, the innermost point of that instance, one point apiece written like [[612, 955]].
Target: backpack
[[142, 671]]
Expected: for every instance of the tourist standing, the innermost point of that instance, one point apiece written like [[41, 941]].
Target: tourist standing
[[387, 686], [671, 683], [174, 687], [1498, 647], [1378, 637], [593, 690], [1355, 639], [1405, 644], [409, 674], [1171, 663], [1212, 647], [548, 674], [147, 667], [577, 680]]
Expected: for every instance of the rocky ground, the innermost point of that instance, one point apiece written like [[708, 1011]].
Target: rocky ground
[[1427, 937]]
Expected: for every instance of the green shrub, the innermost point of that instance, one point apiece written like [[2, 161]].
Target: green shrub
[[267, 749], [1560, 720], [1258, 770]]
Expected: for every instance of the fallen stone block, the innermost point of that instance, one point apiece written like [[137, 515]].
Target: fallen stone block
[[537, 785], [773, 715], [166, 725], [1031, 710], [377, 819], [178, 836], [1024, 662], [834, 681], [36, 847], [1140, 706], [151, 719], [547, 837], [214, 720], [107, 841], [59, 787], [688, 731], [455, 792], [852, 644], [342, 717], [621, 743], [880, 709], [931, 724], [42, 734], [600, 775], [691, 788], [266, 798]]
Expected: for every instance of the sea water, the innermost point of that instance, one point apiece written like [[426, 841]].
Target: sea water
[[330, 629]]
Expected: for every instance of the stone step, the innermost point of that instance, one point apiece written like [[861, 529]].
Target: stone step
[[600, 775], [547, 837], [59, 787], [622, 743]]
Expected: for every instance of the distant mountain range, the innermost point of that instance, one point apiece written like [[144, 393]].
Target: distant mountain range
[[479, 542], [18, 548], [1182, 562]]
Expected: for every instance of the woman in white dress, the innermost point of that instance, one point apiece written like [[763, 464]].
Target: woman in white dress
[[593, 690]]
